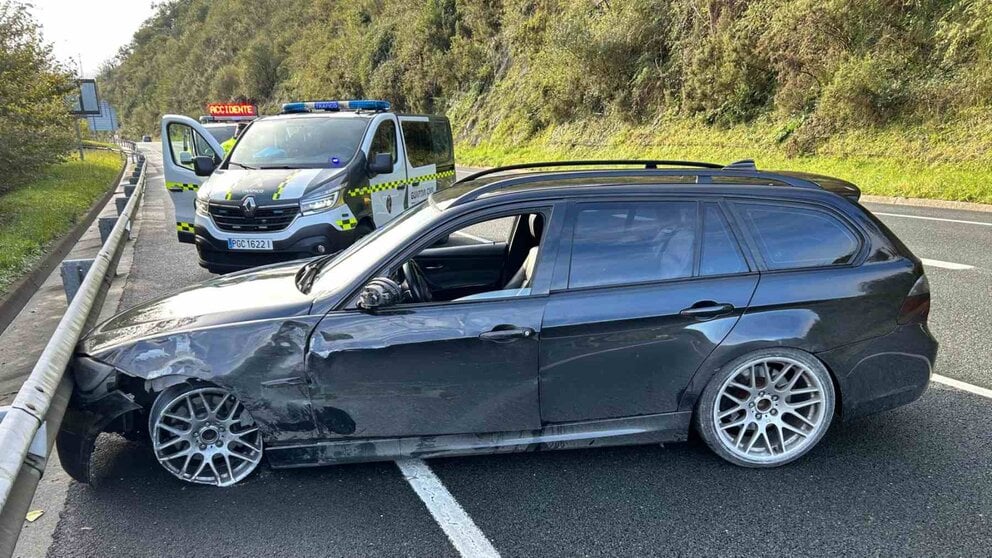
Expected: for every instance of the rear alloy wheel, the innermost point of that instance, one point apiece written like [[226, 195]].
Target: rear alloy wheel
[[768, 408], [204, 435]]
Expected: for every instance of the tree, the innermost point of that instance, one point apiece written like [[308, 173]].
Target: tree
[[35, 126]]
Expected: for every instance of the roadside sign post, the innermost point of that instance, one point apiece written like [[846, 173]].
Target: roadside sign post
[[85, 103]]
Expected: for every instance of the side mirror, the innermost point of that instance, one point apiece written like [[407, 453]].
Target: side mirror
[[379, 293], [185, 158], [381, 163], [203, 165]]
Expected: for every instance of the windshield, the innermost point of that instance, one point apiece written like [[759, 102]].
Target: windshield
[[299, 143], [355, 260]]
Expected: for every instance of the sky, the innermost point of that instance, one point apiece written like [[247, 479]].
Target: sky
[[89, 31]]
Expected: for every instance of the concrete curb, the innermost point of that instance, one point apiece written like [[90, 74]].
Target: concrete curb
[[922, 202], [22, 290]]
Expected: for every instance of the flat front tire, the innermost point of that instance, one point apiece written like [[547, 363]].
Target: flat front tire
[[766, 408]]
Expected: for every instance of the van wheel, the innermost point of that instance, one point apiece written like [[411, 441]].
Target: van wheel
[[363, 228], [766, 408]]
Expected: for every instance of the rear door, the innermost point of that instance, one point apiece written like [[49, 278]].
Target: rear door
[[430, 159], [182, 139], [650, 290]]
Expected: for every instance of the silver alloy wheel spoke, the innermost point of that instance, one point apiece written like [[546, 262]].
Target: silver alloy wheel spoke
[[769, 409], [218, 428]]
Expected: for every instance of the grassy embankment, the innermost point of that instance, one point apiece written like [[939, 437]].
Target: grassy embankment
[[35, 215], [951, 161]]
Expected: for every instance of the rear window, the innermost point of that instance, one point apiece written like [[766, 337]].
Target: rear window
[[427, 142], [623, 243], [791, 237]]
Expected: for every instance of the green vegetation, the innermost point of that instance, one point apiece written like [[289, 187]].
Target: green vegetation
[[893, 95], [41, 211], [35, 126]]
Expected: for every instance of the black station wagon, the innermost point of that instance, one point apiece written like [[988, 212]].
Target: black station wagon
[[573, 306]]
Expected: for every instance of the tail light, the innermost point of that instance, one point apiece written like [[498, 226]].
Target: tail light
[[916, 307]]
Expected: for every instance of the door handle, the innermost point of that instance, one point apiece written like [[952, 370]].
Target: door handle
[[433, 267], [499, 335], [707, 309]]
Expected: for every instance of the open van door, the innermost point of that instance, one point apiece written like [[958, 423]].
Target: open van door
[[182, 139]]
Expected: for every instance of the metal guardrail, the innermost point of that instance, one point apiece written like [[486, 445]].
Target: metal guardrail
[[29, 425]]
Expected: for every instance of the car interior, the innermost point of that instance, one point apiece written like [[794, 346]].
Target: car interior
[[464, 266]]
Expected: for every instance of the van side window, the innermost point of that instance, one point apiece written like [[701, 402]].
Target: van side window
[[791, 237], [719, 254], [441, 141], [384, 140], [419, 146], [622, 243]]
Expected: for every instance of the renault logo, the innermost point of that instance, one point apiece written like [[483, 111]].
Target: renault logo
[[248, 206]]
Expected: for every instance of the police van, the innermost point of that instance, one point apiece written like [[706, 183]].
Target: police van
[[306, 182]]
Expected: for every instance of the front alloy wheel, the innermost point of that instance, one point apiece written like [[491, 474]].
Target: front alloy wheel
[[204, 435], [767, 409]]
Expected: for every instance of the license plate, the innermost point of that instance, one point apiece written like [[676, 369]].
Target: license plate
[[249, 244]]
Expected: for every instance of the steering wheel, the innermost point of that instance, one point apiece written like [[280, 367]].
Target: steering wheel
[[416, 283]]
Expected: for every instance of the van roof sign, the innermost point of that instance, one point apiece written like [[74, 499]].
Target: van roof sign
[[232, 111], [334, 106]]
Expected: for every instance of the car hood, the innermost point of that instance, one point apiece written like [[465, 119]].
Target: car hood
[[268, 186], [256, 294]]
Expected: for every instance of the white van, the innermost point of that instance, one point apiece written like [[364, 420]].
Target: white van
[[306, 182]]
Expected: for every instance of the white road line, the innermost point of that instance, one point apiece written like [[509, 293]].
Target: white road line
[[473, 237], [933, 218], [962, 386], [467, 539], [946, 265]]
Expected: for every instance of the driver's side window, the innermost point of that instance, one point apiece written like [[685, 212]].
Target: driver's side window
[[494, 258], [186, 143]]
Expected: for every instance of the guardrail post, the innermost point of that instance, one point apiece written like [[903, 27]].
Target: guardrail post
[[73, 273], [106, 225], [129, 189], [121, 201]]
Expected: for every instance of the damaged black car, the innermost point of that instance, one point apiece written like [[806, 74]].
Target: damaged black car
[[550, 309]]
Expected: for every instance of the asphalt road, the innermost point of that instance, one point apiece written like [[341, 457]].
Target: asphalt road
[[914, 481]]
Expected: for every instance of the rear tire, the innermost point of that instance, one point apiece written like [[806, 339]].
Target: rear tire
[[766, 408]]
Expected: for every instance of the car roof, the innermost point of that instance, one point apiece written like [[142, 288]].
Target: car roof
[[701, 178]]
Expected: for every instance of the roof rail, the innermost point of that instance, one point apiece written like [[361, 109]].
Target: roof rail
[[704, 173], [647, 163]]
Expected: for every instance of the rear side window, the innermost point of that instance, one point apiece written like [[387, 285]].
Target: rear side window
[[791, 237], [428, 143], [719, 253], [417, 136], [622, 243], [441, 141]]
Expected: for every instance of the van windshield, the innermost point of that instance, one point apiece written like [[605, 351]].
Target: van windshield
[[299, 143]]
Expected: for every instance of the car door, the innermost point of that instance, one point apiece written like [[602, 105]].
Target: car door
[[650, 289], [429, 369], [182, 139], [388, 191]]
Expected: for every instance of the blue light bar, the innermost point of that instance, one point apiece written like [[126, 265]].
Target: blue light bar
[[353, 104]]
